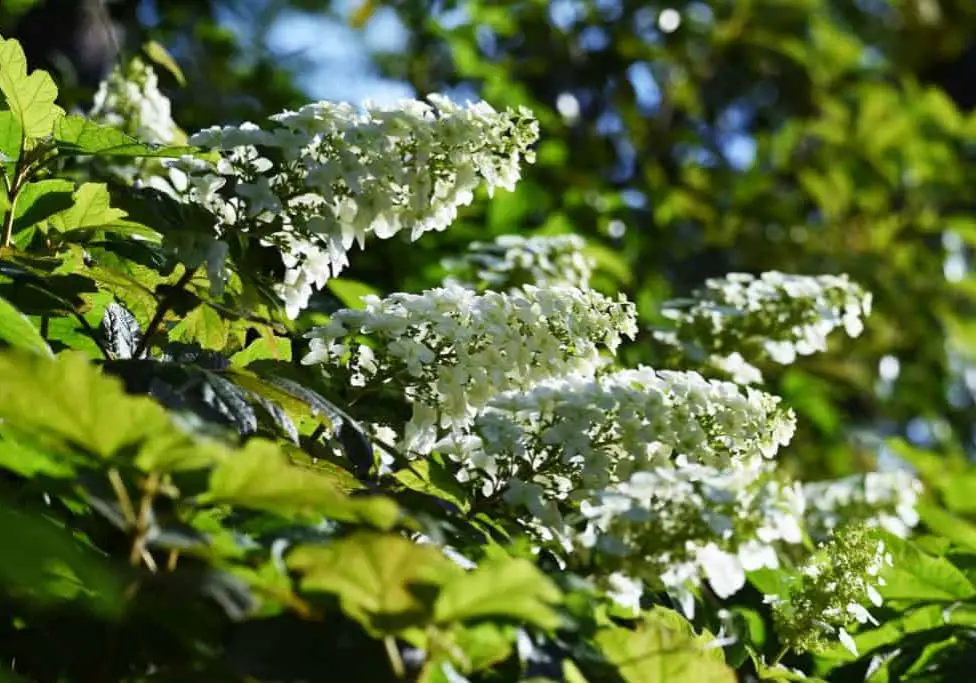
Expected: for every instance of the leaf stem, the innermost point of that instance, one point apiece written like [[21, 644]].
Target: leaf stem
[[161, 311], [13, 190], [396, 661], [139, 553], [782, 653]]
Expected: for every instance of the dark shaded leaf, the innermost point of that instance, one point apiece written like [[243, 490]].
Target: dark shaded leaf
[[230, 401], [121, 331]]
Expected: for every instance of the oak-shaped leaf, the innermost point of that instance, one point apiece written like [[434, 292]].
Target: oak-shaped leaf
[[67, 406], [29, 96], [503, 588], [663, 647], [384, 581], [261, 477]]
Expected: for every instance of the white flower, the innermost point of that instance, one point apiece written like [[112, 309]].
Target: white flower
[[779, 315], [625, 591], [451, 350], [847, 641], [737, 368], [349, 173], [600, 430], [661, 527], [723, 570], [513, 260], [878, 499], [130, 99], [754, 554]]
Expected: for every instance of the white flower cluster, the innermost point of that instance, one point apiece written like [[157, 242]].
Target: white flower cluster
[[828, 594], [778, 315], [130, 99], [451, 350], [876, 499], [512, 260], [342, 173], [567, 436], [672, 528]]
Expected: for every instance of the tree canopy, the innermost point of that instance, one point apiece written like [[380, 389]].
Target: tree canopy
[[272, 370]]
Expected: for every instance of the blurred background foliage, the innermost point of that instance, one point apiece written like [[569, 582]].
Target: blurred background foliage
[[683, 139]]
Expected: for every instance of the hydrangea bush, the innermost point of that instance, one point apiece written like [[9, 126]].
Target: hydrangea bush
[[467, 483]]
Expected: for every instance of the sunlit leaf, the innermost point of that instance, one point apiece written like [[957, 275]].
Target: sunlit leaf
[[79, 135], [91, 209], [663, 648], [386, 582], [502, 588], [261, 477], [30, 97], [161, 56]]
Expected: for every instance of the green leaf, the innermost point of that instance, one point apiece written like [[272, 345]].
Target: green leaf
[[262, 478], [485, 644], [360, 16], [572, 674], [385, 582], [17, 331], [27, 461], [913, 621], [66, 405], [161, 56], [39, 201], [663, 649], [778, 672], [917, 576], [204, 326], [949, 526], [44, 563], [78, 135], [91, 209], [267, 347], [29, 97], [350, 292], [510, 588], [431, 476], [11, 135]]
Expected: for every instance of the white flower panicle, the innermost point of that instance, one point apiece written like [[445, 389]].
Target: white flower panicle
[[875, 499], [583, 433], [451, 350], [343, 173], [674, 528], [777, 315], [512, 260], [130, 99], [829, 593]]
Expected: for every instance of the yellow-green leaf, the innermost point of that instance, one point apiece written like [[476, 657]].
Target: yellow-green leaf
[[68, 407], [91, 209], [663, 648], [362, 14], [267, 347], [508, 588], [262, 477], [11, 134], [161, 56], [386, 582], [29, 97], [204, 326]]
